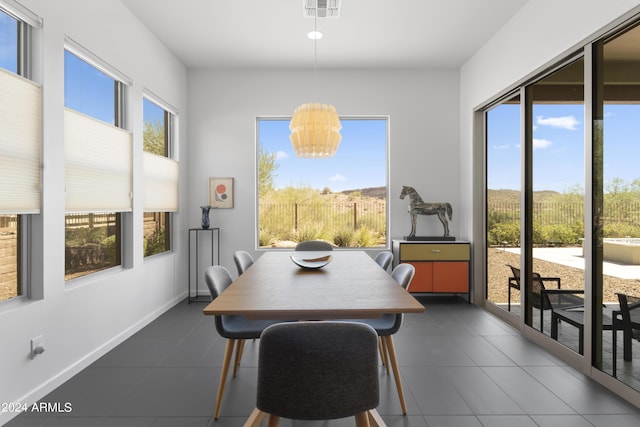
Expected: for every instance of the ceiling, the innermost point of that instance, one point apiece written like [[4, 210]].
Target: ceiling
[[369, 33]]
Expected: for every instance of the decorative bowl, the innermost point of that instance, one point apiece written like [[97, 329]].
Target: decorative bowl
[[312, 263]]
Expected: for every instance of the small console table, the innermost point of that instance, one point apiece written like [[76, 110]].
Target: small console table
[[441, 266], [215, 232]]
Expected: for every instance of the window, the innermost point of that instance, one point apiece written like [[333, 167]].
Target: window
[[9, 46], [20, 143], [341, 199], [161, 178], [98, 159]]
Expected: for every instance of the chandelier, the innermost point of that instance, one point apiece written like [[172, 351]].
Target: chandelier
[[315, 130], [315, 127]]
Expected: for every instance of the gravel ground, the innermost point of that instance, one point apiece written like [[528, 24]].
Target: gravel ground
[[571, 278]]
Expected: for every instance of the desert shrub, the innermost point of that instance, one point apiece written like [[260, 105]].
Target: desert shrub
[[561, 234], [344, 238], [497, 217], [109, 248], [308, 232], [155, 243], [619, 229], [266, 237], [365, 238], [504, 233]]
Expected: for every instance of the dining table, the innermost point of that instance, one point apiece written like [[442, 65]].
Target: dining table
[[352, 285]]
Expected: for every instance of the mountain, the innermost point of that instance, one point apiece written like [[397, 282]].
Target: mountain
[[377, 192], [513, 196]]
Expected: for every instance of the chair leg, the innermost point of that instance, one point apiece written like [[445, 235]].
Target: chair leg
[[375, 420], [239, 350], [362, 419], [396, 372], [255, 418], [273, 421], [614, 349], [228, 351], [383, 353]]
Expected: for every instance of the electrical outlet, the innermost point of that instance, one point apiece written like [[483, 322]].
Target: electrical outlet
[[37, 346]]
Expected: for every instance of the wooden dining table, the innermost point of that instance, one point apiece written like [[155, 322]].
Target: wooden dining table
[[352, 285]]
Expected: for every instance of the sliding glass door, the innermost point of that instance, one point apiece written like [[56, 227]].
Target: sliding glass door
[[503, 203], [616, 176], [555, 141]]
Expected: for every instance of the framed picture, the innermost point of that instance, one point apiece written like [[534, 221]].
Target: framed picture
[[221, 192]]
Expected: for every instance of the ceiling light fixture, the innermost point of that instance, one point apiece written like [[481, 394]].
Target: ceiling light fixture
[[315, 127]]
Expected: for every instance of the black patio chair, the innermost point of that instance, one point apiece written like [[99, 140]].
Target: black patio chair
[[544, 298], [626, 319]]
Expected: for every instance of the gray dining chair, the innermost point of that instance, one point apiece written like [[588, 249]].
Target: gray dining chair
[[317, 371], [314, 245], [243, 260], [384, 259], [387, 325], [235, 329]]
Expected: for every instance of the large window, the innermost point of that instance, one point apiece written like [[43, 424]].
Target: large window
[[160, 178], [20, 142], [97, 167], [340, 199]]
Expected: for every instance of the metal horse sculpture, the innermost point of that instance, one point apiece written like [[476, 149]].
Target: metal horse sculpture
[[420, 207]]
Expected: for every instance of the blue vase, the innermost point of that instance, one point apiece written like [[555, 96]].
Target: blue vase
[[205, 216]]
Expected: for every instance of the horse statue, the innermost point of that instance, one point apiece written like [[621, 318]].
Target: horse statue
[[420, 207]]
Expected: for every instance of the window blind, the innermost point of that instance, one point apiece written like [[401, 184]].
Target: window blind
[[98, 165], [20, 144], [160, 183]]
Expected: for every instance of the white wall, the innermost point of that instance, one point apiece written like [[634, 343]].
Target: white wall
[[81, 321], [423, 110]]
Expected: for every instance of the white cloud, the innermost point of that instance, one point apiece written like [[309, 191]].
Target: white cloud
[[566, 122], [337, 178], [541, 143], [501, 147], [281, 155]]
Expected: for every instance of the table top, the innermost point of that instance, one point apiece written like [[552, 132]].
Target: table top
[[352, 285]]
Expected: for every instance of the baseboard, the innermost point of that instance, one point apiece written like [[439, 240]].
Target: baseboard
[[63, 376]]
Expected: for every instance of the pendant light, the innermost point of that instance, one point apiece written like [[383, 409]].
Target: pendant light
[[315, 127]]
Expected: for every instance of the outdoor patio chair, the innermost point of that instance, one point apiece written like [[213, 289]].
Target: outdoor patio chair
[[627, 320], [543, 298]]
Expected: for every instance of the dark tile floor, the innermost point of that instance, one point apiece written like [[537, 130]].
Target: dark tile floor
[[460, 365], [627, 372]]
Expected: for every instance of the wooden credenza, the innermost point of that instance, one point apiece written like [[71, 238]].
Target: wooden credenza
[[441, 267]]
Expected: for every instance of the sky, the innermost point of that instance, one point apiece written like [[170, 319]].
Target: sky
[[8, 42], [360, 161], [558, 146]]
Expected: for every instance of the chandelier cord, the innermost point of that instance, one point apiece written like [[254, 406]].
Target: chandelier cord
[[315, 54]]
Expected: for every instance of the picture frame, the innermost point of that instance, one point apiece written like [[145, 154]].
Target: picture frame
[[221, 193]]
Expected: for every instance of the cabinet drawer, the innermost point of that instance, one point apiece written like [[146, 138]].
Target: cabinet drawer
[[434, 252]]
